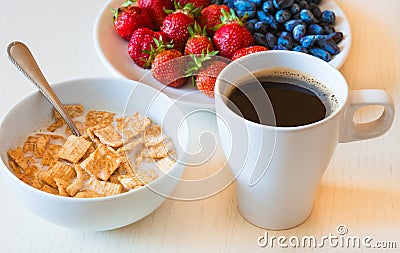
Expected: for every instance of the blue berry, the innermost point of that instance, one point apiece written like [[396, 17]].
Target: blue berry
[[260, 39], [328, 45], [304, 5], [286, 40], [295, 8], [261, 27], [279, 47], [307, 16], [328, 17], [291, 24], [300, 49], [315, 10], [335, 36], [299, 32], [308, 41], [328, 28], [271, 39], [268, 18], [282, 16], [320, 53], [229, 3], [250, 25], [244, 5], [315, 29], [297, 25], [256, 2], [282, 4], [268, 6]]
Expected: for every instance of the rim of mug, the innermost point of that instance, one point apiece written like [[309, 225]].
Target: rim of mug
[[340, 107]]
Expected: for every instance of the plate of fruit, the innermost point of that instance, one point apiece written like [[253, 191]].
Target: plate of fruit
[[180, 47]]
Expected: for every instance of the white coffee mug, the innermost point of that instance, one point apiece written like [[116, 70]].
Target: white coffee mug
[[278, 169]]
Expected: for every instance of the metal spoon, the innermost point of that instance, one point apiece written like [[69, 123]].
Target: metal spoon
[[20, 55]]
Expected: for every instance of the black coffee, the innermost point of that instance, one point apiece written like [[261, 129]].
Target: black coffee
[[290, 102]]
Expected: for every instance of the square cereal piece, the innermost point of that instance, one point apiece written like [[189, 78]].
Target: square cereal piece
[[143, 156], [50, 154], [94, 118], [55, 125], [29, 144], [165, 163], [109, 136], [160, 150], [62, 186], [31, 170], [77, 185], [15, 168], [102, 162], [36, 144], [126, 167], [147, 176], [36, 182], [153, 136], [40, 146], [53, 138], [17, 155], [130, 181], [128, 147], [73, 111], [81, 174], [81, 127], [140, 122], [74, 188], [102, 187], [133, 125], [57, 170], [74, 149], [49, 189], [88, 194], [114, 178]]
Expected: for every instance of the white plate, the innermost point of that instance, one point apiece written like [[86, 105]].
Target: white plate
[[113, 51]]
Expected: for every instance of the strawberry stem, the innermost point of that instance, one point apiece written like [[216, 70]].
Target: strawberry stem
[[198, 62], [160, 46], [128, 3], [231, 17]]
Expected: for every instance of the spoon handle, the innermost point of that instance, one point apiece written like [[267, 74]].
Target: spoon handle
[[20, 55]]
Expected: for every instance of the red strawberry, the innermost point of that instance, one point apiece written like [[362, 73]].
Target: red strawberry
[[128, 18], [169, 67], [143, 40], [248, 50], [207, 76], [156, 10], [196, 3], [198, 41], [204, 70], [176, 24], [211, 16], [232, 35]]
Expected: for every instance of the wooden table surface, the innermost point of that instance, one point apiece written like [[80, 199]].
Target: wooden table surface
[[360, 189]]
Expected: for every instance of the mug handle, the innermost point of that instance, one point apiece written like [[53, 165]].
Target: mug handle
[[353, 131]]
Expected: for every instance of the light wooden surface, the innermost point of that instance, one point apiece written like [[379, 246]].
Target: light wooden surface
[[360, 189]]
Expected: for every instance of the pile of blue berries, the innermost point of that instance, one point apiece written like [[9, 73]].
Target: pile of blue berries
[[297, 25]]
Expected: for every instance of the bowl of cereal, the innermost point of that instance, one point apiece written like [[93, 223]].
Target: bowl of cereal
[[127, 161]]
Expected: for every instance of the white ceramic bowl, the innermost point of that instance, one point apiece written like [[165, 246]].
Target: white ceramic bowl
[[115, 95]]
